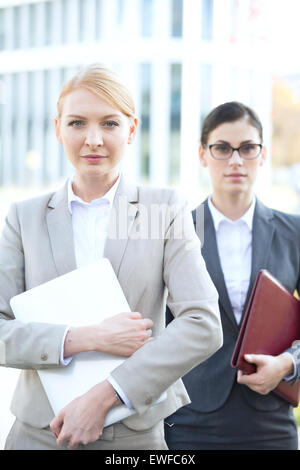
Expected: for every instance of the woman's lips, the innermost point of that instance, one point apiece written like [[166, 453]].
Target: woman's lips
[[94, 158], [235, 176]]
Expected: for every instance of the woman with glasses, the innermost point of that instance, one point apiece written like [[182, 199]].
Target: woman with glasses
[[241, 236]]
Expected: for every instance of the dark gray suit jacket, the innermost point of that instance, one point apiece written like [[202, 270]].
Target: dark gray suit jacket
[[276, 247]]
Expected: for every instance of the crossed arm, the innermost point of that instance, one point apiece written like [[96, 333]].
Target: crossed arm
[[82, 420]]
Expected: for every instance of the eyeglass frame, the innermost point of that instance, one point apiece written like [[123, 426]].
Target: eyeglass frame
[[233, 149]]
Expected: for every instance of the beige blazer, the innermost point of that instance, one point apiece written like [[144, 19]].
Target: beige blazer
[[37, 245]]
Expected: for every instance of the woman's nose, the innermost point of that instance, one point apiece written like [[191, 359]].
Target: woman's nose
[[235, 158], [94, 137]]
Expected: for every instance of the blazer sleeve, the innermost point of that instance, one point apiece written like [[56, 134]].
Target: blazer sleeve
[[193, 336], [23, 346], [294, 349]]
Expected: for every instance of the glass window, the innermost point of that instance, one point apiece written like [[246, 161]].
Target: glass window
[[14, 137], [88, 20], [48, 22], [175, 123], [64, 13], [2, 29], [30, 91], [120, 12], [32, 25], [205, 91], [2, 91], [16, 27], [98, 14], [207, 19], [81, 30], [147, 18], [39, 30], [145, 119], [46, 125], [30, 129], [177, 13]]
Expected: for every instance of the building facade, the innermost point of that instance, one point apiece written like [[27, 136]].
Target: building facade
[[179, 58]]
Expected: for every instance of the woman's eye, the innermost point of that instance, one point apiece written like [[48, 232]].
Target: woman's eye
[[76, 123], [223, 148], [248, 148], [111, 124]]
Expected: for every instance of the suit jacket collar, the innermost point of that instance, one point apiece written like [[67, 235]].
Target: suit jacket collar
[[59, 222], [262, 235], [212, 259], [127, 190], [123, 215]]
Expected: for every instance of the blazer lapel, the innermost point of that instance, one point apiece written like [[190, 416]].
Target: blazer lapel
[[211, 256], [262, 236], [123, 215], [59, 224]]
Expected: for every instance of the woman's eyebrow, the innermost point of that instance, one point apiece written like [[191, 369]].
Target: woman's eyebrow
[[74, 116], [243, 142], [108, 116]]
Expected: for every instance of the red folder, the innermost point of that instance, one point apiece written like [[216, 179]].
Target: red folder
[[270, 325]]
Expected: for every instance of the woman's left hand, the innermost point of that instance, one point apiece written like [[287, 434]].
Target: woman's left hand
[[82, 420], [270, 371]]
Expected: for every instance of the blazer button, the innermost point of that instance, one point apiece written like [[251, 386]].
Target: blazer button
[[44, 357], [148, 401]]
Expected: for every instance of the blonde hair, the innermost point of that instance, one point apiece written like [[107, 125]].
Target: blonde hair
[[103, 82]]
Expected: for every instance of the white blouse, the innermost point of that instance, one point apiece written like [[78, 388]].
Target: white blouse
[[234, 242]]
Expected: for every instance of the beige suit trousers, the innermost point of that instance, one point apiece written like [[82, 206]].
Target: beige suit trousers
[[23, 436]]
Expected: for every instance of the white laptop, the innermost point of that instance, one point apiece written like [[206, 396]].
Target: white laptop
[[85, 296]]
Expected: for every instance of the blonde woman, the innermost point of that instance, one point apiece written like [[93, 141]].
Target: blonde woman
[[50, 235]]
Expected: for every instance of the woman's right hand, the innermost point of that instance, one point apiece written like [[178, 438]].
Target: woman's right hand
[[120, 335], [123, 334]]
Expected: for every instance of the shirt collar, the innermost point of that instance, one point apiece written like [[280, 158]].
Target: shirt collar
[[107, 198], [218, 217]]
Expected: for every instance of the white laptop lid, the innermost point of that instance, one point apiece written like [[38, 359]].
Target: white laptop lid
[[84, 296]]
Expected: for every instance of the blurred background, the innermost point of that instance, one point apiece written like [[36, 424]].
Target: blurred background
[[180, 58]]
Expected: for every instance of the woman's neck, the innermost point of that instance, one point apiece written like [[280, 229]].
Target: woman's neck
[[90, 188], [233, 206]]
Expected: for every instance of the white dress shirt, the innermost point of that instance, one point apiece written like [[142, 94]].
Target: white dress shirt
[[90, 225], [234, 242]]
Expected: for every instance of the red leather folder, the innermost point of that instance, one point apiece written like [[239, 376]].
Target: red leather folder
[[270, 325]]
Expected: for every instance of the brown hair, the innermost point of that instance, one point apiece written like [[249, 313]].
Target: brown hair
[[229, 112]]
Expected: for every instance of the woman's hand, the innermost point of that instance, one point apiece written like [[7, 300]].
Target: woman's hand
[[270, 371], [123, 334], [120, 335], [82, 420]]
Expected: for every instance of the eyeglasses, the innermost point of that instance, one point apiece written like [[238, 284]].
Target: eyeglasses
[[225, 151]]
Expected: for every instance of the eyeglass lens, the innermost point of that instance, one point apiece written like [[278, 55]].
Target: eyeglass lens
[[247, 151]]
